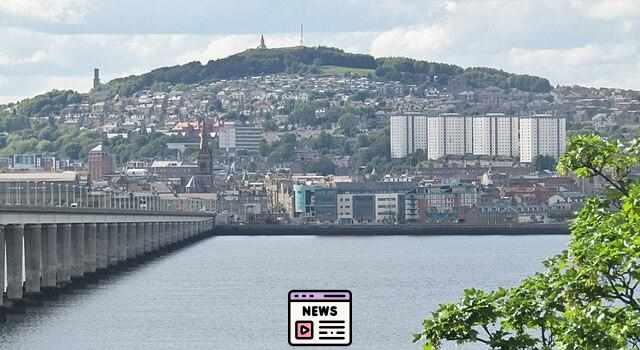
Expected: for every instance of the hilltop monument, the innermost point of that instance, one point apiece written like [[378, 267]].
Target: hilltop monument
[[262, 45]]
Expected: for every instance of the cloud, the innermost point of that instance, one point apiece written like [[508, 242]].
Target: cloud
[[422, 41], [53, 11], [48, 42], [608, 9]]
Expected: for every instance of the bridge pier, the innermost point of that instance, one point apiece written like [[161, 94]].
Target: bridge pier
[[14, 235], [49, 256], [2, 286], [155, 235], [112, 246], [102, 246], [77, 251], [32, 258], [148, 241], [63, 250], [131, 240], [140, 234], [122, 242], [90, 248]]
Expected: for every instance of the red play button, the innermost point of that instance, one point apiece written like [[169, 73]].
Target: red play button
[[304, 330]]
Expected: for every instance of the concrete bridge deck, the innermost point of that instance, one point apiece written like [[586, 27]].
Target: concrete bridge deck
[[46, 249]]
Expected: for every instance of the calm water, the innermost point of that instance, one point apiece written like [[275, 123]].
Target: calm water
[[231, 292]]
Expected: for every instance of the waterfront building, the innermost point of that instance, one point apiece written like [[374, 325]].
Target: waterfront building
[[432, 203], [408, 134], [496, 134], [542, 135], [449, 134]]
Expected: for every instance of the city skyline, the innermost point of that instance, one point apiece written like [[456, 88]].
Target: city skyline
[[56, 44]]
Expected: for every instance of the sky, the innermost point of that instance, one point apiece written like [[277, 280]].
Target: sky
[[49, 44]]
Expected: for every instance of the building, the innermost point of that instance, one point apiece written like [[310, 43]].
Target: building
[[40, 188], [439, 203], [542, 135], [408, 134], [449, 134], [100, 163], [96, 78], [32, 161], [372, 202], [496, 134], [204, 154], [234, 137], [203, 181], [314, 203]]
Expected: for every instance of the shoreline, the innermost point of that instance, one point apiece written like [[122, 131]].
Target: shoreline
[[391, 230]]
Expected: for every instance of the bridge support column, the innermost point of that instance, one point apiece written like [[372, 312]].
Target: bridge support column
[[173, 232], [49, 255], [165, 232], [183, 231], [32, 257], [140, 238], [148, 241], [131, 240], [155, 235], [90, 248], [64, 254], [122, 242], [102, 246], [14, 235], [151, 231], [2, 244], [77, 250], [112, 245]]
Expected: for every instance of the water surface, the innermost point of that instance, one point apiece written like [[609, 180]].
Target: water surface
[[231, 292]]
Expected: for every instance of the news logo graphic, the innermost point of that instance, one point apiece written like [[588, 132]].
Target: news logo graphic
[[320, 317]]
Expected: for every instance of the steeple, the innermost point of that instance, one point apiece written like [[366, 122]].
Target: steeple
[[204, 156], [262, 44]]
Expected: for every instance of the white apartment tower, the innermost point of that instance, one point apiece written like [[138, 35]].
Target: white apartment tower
[[449, 134], [542, 134], [496, 134], [408, 134]]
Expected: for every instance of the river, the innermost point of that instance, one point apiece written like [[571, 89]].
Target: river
[[231, 292]]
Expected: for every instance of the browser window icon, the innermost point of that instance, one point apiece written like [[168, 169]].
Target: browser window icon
[[320, 317]]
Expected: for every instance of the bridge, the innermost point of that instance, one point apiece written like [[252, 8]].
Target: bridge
[[46, 249]]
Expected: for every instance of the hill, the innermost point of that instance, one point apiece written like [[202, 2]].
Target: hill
[[322, 60]]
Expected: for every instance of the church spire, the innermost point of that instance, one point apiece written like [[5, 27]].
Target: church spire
[[262, 44], [204, 156]]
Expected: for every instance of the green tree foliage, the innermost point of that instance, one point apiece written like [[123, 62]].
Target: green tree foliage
[[348, 125], [72, 150], [479, 77], [545, 163], [47, 104], [283, 150], [247, 63], [305, 60], [304, 114], [587, 297], [412, 71], [322, 166]]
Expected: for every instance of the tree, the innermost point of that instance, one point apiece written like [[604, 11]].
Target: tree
[[348, 125], [73, 150], [587, 297], [322, 166], [545, 163]]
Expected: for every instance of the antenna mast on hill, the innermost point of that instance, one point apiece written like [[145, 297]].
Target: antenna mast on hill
[[301, 34]]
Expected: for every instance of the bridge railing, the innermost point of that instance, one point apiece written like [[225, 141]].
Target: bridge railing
[[50, 194]]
